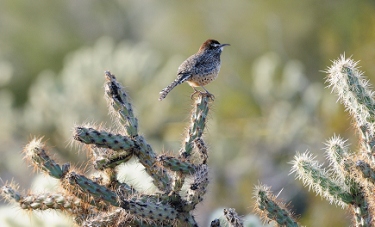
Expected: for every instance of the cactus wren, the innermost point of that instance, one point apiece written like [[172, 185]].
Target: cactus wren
[[199, 69]]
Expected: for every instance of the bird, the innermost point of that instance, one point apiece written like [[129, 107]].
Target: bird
[[199, 69]]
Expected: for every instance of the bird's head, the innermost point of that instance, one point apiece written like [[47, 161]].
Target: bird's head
[[212, 45]]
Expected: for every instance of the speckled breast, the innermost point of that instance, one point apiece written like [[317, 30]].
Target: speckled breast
[[202, 80]]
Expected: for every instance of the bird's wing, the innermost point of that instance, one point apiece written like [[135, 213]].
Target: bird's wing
[[187, 67], [196, 65], [182, 77]]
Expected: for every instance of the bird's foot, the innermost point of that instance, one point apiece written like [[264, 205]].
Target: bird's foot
[[208, 94], [194, 93]]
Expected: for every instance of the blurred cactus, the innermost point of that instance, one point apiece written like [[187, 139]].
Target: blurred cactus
[[349, 180], [269, 208], [108, 201]]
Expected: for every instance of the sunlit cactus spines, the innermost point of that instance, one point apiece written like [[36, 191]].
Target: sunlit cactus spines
[[269, 208], [233, 218], [104, 200], [179, 180], [311, 173], [36, 154], [42, 201], [197, 188], [202, 148], [352, 88], [348, 180], [103, 139], [121, 105], [229, 218], [348, 82], [368, 172], [337, 153], [176, 164]]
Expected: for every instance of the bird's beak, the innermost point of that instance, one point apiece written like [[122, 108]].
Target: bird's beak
[[223, 45]]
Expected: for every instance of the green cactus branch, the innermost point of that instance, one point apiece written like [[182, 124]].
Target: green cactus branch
[[367, 171], [119, 101], [42, 201], [121, 105], [270, 209], [153, 211], [194, 134], [202, 149], [148, 159], [232, 217], [197, 189], [349, 180], [177, 165], [36, 154], [103, 139], [338, 154], [198, 123], [117, 216], [318, 179], [104, 200], [354, 92], [344, 169], [94, 189]]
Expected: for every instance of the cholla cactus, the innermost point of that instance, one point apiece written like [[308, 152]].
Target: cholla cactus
[[106, 201], [349, 180], [269, 208]]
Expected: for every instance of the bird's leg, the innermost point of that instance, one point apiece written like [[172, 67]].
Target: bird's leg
[[195, 92], [208, 93]]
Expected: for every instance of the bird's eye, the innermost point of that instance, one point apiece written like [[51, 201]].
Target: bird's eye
[[215, 45]]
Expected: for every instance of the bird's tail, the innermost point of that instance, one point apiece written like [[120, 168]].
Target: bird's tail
[[180, 79], [168, 89]]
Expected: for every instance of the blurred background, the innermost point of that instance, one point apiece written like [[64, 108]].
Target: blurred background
[[271, 99]]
